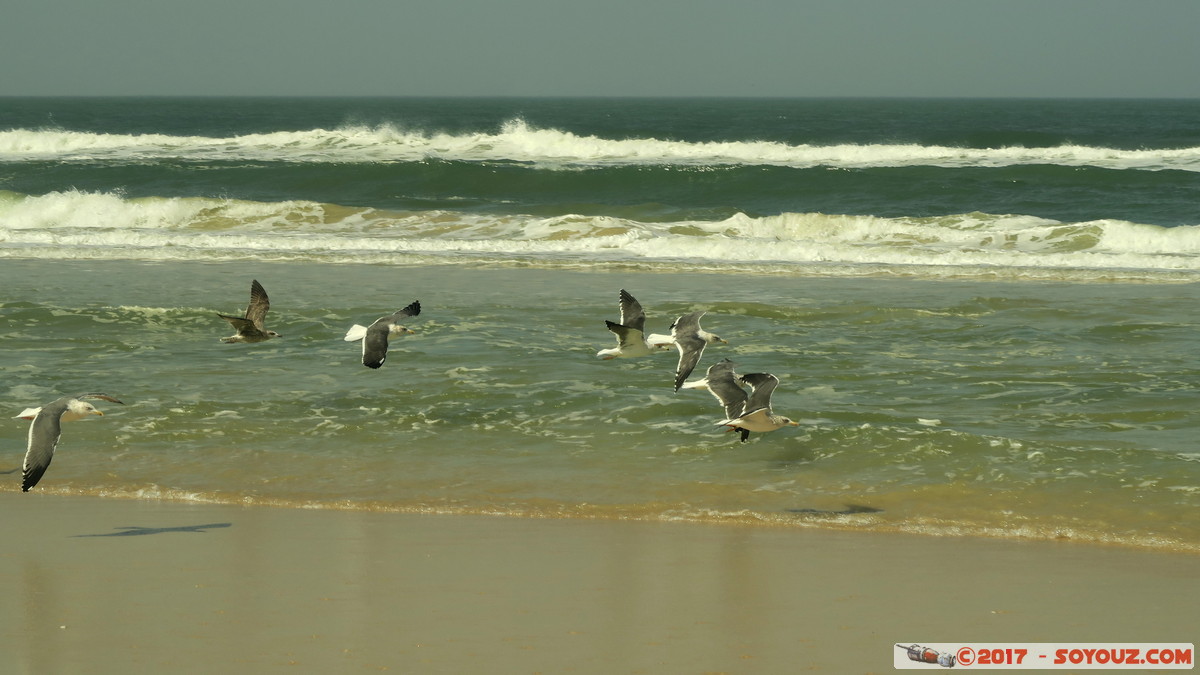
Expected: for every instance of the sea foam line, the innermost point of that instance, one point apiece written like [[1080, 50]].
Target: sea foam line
[[858, 522], [88, 225], [194, 221], [518, 141]]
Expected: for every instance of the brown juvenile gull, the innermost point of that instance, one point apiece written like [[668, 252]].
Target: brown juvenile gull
[[630, 332], [375, 337], [690, 339], [46, 429], [743, 413], [250, 327]]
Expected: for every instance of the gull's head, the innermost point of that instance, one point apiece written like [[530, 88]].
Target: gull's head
[[397, 329], [84, 408], [713, 339], [77, 410]]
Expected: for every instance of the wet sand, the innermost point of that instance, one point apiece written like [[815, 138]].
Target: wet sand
[[108, 586]]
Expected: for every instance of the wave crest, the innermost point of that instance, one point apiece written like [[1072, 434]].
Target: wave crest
[[519, 142], [104, 225]]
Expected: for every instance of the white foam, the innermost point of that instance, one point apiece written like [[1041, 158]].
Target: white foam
[[99, 225], [518, 141]]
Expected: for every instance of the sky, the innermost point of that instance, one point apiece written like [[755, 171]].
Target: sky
[[772, 48]]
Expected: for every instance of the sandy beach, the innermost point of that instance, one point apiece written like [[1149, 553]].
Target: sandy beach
[[109, 586]]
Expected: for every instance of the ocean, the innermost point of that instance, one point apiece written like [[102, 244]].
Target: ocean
[[981, 312]]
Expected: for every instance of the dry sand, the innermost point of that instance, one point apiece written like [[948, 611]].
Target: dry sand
[[226, 589]]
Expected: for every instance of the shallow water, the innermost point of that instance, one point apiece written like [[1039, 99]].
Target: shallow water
[[1042, 410]]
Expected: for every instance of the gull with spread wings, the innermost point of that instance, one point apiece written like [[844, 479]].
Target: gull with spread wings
[[250, 326], [690, 339], [631, 332], [375, 337], [46, 429], [743, 413]]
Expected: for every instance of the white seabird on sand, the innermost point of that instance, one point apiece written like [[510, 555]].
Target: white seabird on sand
[[375, 337], [743, 413], [46, 429], [630, 332], [690, 339], [250, 327]]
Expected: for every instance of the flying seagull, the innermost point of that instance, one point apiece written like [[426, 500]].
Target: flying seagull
[[630, 332], [721, 382], [690, 339], [756, 416], [46, 429], [250, 327], [375, 337], [743, 413]]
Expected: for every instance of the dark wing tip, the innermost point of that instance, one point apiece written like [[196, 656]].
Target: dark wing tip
[[632, 314], [258, 293], [31, 477], [758, 378], [413, 309], [629, 304], [260, 304], [100, 395]]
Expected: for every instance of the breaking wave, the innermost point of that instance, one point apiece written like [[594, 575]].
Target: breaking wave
[[518, 141], [78, 224]]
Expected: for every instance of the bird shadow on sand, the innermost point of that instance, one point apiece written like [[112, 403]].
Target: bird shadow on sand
[[850, 509], [139, 531]]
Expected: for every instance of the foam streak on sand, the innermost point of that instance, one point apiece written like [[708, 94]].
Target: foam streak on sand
[[201, 588]]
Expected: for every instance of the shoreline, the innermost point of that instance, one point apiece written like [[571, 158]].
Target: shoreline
[[848, 520], [103, 585]]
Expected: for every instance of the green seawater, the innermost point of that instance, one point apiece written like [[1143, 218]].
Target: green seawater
[[947, 407]]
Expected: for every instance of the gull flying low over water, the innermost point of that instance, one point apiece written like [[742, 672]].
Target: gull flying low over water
[[721, 382], [46, 429], [630, 332], [743, 413], [250, 327], [690, 339], [375, 337]]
